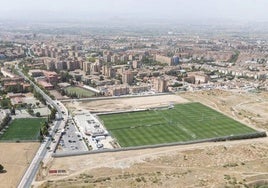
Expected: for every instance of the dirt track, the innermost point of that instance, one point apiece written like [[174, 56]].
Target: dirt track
[[235, 163]]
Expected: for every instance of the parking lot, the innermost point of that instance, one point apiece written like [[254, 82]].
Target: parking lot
[[71, 139]]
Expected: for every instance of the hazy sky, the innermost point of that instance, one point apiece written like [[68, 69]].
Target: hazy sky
[[183, 10]]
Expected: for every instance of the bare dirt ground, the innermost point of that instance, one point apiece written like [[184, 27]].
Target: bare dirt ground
[[222, 164], [15, 157], [125, 103]]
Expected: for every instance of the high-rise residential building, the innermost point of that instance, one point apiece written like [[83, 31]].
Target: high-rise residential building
[[114, 58], [135, 64], [59, 65], [50, 64], [175, 60], [130, 57], [141, 57], [86, 66], [72, 65], [107, 58], [160, 84], [128, 77], [108, 71], [95, 68], [121, 90], [124, 58], [164, 59]]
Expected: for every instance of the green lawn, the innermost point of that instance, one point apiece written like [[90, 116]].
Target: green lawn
[[23, 129], [185, 122], [80, 92]]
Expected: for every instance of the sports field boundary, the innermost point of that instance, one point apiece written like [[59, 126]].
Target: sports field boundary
[[184, 122], [23, 130], [120, 112], [117, 97], [216, 139], [19, 141]]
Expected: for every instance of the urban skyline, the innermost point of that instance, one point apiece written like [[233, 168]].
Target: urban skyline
[[133, 93], [193, 10]]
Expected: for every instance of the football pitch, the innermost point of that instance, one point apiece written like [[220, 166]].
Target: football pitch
[[23, 129], [80, 92], [184, 122]]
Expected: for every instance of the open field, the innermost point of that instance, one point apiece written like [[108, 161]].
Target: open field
[[15, 157], [217, 164], [80, 92], [185, 122], [23, 129]]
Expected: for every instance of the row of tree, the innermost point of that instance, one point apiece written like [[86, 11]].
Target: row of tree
[[52, 115], [44, 130], [45, 126], [39, 96], [5, 103], [5, 121]]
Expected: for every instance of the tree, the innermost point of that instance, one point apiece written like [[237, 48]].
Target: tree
[[5, 103], [62, 92], [12, 110], [5, 121], [78, 78], [45, 131], [65, 76], [31, 88], [37, 114], [1, 168], [87, 82], [30, 111], [72, 82], [53, 114], [15, 88]]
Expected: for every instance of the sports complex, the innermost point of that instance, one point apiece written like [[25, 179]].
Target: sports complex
[[178, 123]]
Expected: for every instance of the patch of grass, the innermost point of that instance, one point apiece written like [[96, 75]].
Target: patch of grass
[[79, 92], [23, 129], [185, 122]]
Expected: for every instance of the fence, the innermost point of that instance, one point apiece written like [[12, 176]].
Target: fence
[[217, 139]]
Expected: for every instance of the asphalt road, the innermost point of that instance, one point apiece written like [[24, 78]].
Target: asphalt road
[[29, 175]]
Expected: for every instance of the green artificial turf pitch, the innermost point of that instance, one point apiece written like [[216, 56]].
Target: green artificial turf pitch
[[23, 129], [184, 122]]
